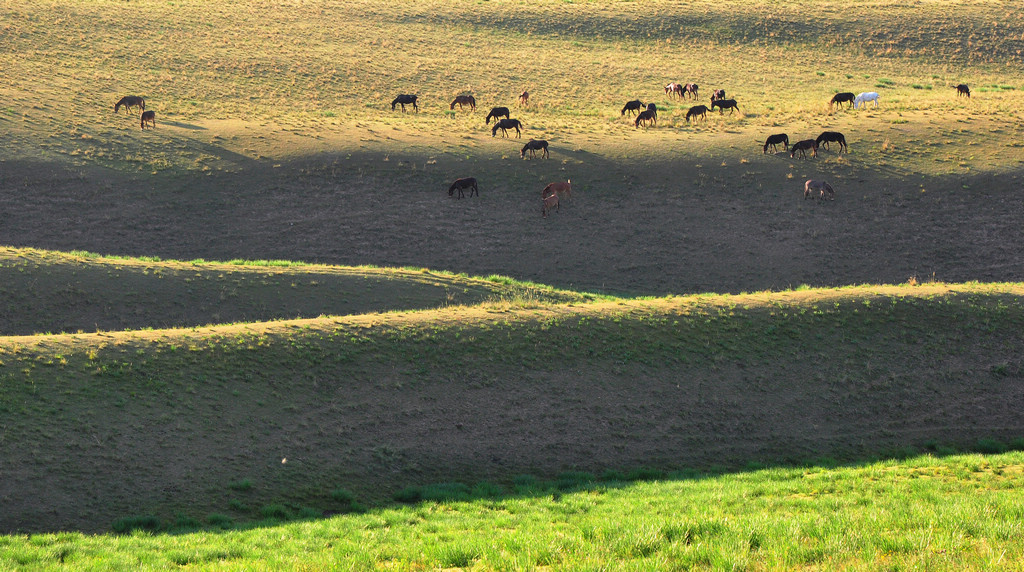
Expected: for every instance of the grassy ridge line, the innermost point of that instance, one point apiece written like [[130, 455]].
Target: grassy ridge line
[[49, 291], [950, 513], [374, 403]]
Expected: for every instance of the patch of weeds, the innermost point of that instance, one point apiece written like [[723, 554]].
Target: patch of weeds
[[147, 523], [991, 446], [219, 520], [242, 485], [276, 511]]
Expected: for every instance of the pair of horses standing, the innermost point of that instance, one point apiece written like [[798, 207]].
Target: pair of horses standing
[[854, 100], [549, 196], [130, 101], [812, 145], [689, 89]]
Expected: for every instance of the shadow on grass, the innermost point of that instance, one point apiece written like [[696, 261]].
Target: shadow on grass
[[525, 486]]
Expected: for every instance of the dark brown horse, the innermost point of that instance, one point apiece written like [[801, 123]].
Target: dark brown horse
[[534, 145], [464, 100], [774, 140], [647, 115], [841, 98], [724, 104], [148, 117], [463, 184], [130, 101], [403, 99], [632, 106], [697, 111], [832, 137], [962, 89], [802, 147], [496, 112], [504, 125]]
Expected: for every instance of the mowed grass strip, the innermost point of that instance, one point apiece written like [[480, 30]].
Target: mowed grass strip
[[958, 512], [53, 292]]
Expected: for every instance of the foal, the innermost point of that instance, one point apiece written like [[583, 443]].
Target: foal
[[148, 117]]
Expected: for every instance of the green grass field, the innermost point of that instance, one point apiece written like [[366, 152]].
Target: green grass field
[[720, 375]]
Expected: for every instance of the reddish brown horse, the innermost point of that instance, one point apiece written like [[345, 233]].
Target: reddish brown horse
[[558, 188], [524, 98], [148, 117], [465, 100]]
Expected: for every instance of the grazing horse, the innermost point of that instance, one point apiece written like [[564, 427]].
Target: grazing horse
[[802, 147], [674, 89], [832, 137], [524, 98], [645, 116], [547, 203], [465, 99], [774, 140], [148, 117], [496, 112], [841, 98], [402, 99], [558, 189], [461, 185], [504, 125], [962, 89], [130, 101], [724, 104], [821, 187], [865, 97], [631, 106], [697, 111], [534, 145], [717, 95], [691, 89]]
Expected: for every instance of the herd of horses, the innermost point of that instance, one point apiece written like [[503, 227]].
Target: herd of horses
[[646, 114]]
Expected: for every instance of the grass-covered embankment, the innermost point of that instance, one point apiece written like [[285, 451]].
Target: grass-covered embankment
[[101, 426], [939, 513]]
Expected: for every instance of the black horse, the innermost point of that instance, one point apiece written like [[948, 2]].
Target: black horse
[[962, 89], [496, 112], [404, 99], [841, 98], [802, 147], [504, 125], [697, 111], [724, 104], [832, 137], [631, 106], [130, 101], [463, 184], [534, 145], [774, 140]]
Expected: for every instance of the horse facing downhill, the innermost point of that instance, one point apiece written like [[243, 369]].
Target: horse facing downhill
[[130, 101], [148, 117], [524, 98]]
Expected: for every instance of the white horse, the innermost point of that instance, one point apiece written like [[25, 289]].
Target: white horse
[[866, 97]]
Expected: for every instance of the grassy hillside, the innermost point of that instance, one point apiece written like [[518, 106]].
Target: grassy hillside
[[949, 513], [275, 138], [52, 292], [110, 425]]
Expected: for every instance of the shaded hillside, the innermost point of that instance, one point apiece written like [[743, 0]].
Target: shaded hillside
[[100, 426], [52, 292]]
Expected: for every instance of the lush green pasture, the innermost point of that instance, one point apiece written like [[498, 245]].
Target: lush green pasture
[[958, 512]]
